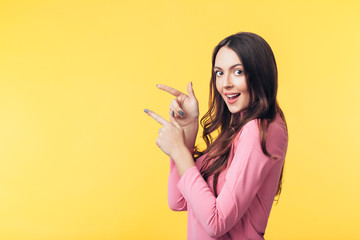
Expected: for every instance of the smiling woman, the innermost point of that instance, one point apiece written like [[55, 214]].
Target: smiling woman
[[228, 189]]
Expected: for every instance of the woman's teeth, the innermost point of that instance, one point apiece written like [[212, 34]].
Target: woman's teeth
[[232, 96]]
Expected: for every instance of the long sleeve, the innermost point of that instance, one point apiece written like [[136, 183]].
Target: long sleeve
[[245, 176], [176, 200]]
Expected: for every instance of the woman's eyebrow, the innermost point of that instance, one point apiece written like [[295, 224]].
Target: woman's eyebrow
[[230, 67]]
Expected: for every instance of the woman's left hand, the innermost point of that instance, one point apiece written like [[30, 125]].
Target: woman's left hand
[[171, 135]]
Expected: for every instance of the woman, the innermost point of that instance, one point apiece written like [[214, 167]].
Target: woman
[[229, 188]]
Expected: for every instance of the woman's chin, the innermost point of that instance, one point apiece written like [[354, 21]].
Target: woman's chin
[[234, 110]]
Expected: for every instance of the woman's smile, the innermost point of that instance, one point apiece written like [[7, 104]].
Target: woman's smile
[[232, 98]]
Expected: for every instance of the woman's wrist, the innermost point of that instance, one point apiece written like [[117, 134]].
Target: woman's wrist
[[191, 131], [193, 123], [183, 159]]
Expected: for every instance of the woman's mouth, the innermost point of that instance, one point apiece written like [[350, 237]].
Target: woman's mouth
[[232, 97]]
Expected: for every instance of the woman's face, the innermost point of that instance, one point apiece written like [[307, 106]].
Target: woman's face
[[231, 80]]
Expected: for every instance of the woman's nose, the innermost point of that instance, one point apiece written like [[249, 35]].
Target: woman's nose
[[228, 83]]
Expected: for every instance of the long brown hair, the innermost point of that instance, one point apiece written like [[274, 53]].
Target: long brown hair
[[260, 70]]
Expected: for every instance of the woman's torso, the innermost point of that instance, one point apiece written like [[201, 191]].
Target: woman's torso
[[253, 223]]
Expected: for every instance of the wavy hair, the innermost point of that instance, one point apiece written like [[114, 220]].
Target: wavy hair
[[260, 70]]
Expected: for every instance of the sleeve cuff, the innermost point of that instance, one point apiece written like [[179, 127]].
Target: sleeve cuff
[[189, 176]]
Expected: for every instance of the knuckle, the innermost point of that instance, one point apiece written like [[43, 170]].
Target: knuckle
[[174, 103], [182, 97]]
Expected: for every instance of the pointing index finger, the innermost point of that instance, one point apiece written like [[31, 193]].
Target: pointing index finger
[[157, 117], [170, 90]]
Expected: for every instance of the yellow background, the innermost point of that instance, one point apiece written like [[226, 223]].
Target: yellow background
[[78, 158]]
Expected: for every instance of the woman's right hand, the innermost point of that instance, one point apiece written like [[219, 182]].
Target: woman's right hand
[[186, 112], [185, 107]]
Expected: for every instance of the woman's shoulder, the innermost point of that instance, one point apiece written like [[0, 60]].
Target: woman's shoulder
[[276, 137], [277, 130], [249, 129], [277, 125]]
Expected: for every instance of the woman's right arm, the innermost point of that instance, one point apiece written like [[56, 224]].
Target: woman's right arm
[[186, 112], [176, 200]]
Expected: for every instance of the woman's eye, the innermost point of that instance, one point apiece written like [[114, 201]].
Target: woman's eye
[[239, 72], [216, 73]]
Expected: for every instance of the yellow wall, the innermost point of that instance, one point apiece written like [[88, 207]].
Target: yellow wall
[[78, 158]]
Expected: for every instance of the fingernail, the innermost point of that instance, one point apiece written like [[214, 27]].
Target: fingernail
[[173, 114], [146, 110], [181, 113], [157, 85]]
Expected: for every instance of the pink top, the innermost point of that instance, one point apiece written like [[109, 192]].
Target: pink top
[[246, 188]]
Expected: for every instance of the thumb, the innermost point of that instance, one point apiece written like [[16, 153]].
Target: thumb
[[190, 90]]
